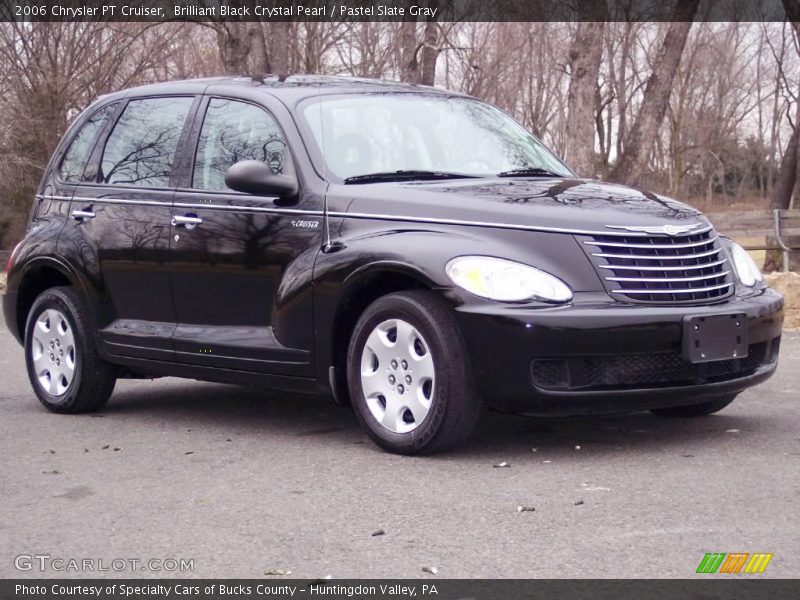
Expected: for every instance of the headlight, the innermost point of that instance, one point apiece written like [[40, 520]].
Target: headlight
[[505, 280], [749, 274]]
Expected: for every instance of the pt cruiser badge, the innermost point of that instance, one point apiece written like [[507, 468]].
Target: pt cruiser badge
[[412, 252]]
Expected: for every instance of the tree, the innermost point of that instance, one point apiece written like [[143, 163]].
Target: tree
[[639, 143], [787, 173], [585, 55]]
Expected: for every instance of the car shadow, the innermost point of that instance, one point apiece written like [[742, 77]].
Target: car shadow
[[231, 410]]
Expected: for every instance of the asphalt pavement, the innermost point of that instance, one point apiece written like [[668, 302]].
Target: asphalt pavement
[[243, 482]]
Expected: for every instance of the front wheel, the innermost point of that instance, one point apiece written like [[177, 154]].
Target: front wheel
[[696, 410], [63, 365], [408, 375]]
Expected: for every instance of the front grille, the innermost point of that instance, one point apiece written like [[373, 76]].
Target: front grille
[[662, 268], [635, 371]]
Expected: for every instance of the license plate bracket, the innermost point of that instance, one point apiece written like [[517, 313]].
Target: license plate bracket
[[715, 337]]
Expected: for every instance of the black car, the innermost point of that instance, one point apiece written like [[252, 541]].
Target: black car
[[412, 251]]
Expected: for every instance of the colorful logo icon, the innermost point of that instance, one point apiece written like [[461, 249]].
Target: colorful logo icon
[[734, 562]]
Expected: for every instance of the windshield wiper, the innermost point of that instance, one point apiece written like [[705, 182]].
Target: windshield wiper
[[405, 174], [530, 172]]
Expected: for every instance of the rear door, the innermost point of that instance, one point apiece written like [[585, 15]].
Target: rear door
[[123, 214], [69, 170], [235, 253]]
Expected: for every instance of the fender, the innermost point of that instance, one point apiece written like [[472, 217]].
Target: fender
[[365, 266]]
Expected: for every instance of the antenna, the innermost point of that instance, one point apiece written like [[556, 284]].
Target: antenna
[[326, 242]]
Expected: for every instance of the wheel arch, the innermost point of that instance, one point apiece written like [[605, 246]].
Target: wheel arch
[[39, 275], [360, 289]]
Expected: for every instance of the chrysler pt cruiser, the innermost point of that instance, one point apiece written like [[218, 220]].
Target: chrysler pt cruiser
[[413, 252]]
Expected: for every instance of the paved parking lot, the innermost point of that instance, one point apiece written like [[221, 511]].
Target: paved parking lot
[[245, 482]]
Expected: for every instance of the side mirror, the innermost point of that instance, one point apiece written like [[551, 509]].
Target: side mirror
[[256, 177]]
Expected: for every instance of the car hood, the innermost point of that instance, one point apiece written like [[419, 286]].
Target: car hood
[[571, 205]]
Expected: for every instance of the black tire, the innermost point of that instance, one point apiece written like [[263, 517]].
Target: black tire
[[93, 379], [696, 410], [454, 407]]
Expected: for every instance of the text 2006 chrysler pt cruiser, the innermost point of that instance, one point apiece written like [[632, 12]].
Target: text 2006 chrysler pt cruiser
[[413, 251]]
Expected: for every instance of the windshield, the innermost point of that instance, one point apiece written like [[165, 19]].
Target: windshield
[[366, 134]]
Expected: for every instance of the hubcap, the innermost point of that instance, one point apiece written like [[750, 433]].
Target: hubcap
[[53, 352], [397, 376]]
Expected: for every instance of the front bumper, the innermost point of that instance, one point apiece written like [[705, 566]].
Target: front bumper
[[600, 356]]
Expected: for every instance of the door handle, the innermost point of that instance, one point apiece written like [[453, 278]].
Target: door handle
[[82, 215], [188, 221]]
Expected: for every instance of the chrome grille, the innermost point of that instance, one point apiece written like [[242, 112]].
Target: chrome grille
[[662, 268]]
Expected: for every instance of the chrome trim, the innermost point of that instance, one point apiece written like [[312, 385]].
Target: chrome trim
[[667, 229], [687, 291], [658, 246], [680, 268], [380, 217], [657, 257], [669, 279], [109, 201], [516, 226], [189, 205], [238, 208]]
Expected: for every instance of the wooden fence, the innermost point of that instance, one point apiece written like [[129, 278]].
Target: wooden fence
[[761, 229]]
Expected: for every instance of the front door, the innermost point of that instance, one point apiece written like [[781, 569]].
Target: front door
[[233, 254]]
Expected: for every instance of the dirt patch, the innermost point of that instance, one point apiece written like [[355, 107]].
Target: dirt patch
[[788, 284]]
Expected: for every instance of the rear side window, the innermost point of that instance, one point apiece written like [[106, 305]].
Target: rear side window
[[141, 148], [77, 155], [232, 132]]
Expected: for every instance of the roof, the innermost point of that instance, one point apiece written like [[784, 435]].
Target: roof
[[290, 87]]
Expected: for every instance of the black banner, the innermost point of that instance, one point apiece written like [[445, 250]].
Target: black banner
[[387, 10], [734, 588]]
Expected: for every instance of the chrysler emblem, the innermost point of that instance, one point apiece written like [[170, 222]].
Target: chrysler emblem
[[656, 229]]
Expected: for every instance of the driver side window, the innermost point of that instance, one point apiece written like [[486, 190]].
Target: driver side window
[[232, 132]]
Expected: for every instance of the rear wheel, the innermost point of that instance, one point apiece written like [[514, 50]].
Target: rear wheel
[[696, 410], [63, 365], [408, 375]]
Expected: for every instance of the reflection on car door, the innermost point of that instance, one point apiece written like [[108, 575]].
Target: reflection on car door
[[123, 215], [71, 168], [234, 251]]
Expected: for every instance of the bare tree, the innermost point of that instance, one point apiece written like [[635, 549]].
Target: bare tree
[[584, 60], [787, 175], [656, 96]]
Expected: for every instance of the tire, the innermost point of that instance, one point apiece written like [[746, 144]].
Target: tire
[[696, 410], [68, 377], [429, 373]]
